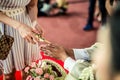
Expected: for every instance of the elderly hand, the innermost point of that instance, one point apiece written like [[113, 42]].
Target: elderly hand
[[55, 51]]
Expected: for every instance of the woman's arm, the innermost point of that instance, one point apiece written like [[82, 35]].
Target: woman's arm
[[32, 10], [25, 31], [9, 21]]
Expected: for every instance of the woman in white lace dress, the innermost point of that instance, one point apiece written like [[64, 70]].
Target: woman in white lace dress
[[20, 19]]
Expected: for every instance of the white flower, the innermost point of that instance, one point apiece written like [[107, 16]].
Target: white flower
[[43, 64], [39, 63]]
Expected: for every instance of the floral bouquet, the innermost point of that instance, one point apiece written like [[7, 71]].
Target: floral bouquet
[[45, 70]]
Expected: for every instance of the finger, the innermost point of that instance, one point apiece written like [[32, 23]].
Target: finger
[[53, 50], [35, 39], [53, 45], [48, 47], [35, 31], [27, 39], [43, 48], [39, 29], [43, 45], [30, 39], [47, 52]]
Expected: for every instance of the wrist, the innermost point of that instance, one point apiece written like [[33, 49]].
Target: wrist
[[19, 26], [70, 52], [34, 23], [64, 57]]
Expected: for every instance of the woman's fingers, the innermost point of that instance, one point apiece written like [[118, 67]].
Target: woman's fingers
[[37, 29], [35, 39], [30, 39]]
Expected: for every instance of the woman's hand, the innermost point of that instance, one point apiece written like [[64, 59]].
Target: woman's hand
[[37, 28], [27, 33], [55, 51]]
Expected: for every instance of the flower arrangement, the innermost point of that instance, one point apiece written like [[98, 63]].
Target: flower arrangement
[[45, 70]]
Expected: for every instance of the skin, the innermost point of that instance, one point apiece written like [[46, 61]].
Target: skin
[[26, 32], [110, 7], [117, 77], [103, 55], [55, 51]]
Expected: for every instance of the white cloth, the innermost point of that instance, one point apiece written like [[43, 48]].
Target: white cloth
[[79, 54], [69, 63]]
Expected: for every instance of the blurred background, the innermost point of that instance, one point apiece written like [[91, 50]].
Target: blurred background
[[67, 29]]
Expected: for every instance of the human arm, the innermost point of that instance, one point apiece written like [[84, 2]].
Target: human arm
[[73, 53], [9, 21], [32, 12], [25, 31], [64, 54]]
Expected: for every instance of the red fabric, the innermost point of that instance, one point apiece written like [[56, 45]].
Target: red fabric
[[1, 77], [18, 75]]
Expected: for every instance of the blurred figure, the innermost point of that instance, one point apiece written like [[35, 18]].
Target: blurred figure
[[62, 5], [45, 8], [89, 25], [108, 62], [115, 38]]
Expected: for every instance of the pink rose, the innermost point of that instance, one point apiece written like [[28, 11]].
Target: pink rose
[[51, 77], [29, 78], [39, 71], [46, 75], [27, 69], [33, 64]]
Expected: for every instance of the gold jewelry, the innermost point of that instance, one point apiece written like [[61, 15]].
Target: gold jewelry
[[42, 39]]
